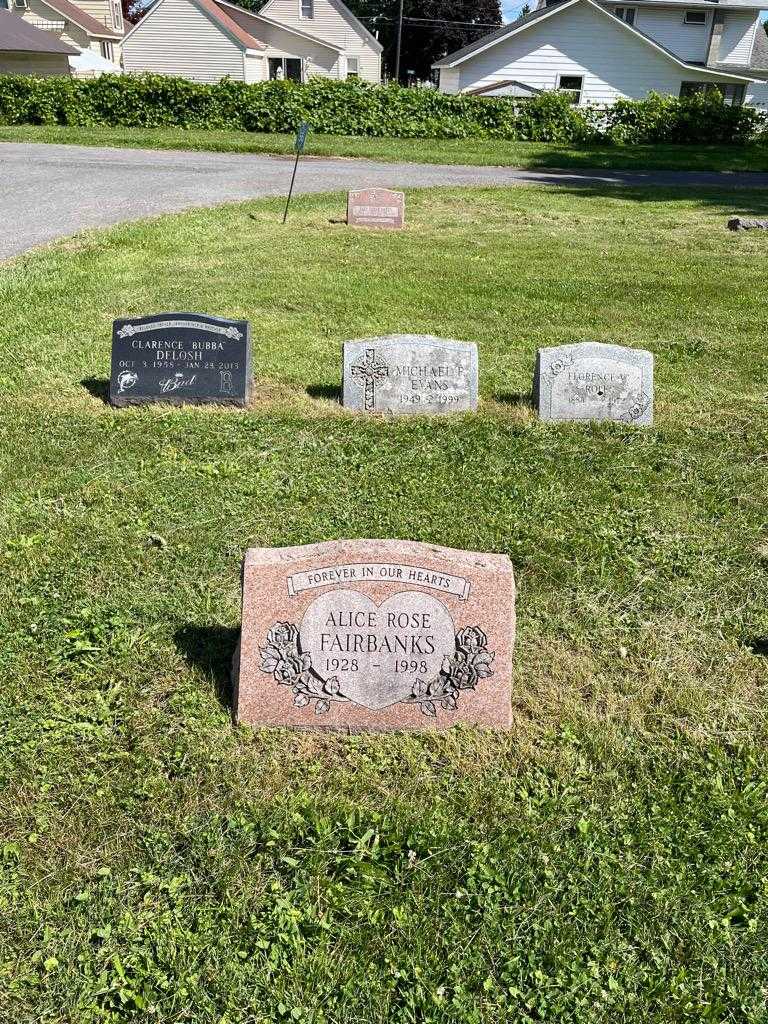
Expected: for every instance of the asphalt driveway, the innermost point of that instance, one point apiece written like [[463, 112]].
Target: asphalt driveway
[[52, 191]]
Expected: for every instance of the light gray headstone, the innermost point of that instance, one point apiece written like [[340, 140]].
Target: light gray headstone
[[594, 381], [403, 374]]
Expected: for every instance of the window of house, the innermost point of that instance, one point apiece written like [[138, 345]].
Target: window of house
[[307, 8], [353, 67], [107, 49], [572, 84], [117, 15], [626, 14], [695, 18], [732, 92], [281, 68], [20, 4]]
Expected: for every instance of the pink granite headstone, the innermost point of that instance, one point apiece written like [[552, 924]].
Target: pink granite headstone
[[376, 208], [375, 635]]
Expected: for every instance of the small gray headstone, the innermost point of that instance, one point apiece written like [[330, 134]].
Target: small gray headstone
[[747, 224], [593, 381], [403, 374]]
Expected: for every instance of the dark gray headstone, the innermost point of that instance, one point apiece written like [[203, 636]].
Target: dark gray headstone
[[403, 374], [180, 358], [594, 381]]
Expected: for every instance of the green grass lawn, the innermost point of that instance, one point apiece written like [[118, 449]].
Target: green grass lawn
[[606, 860], [490, 152]]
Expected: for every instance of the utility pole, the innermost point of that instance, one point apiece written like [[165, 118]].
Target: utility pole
[[399, 41]]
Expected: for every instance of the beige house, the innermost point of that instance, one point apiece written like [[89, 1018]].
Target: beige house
[[95, 25], [26, 50], [207, 40]]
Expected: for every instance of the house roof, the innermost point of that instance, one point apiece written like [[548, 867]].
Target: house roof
[[78, 17], [507, 87], [349, 17], [524, 23], [251, 15], [17, 35], [217, 15], [229, 24]]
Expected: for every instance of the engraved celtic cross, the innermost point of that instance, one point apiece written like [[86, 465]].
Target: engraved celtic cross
[[368, 374]]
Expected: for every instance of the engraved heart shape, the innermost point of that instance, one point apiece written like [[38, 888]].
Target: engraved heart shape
[[376, 651]]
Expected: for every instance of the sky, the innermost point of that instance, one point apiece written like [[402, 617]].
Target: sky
[[511, 8]]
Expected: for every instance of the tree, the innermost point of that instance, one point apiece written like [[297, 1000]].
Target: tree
[[431, 29], [135, 10]]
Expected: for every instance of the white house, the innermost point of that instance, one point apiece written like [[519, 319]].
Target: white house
[[207, 40], [601, 52]]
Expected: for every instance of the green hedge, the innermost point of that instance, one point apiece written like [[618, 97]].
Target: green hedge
[[355, 108]]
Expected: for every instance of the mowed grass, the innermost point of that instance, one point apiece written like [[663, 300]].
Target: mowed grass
[[607, 859], [476, 152]]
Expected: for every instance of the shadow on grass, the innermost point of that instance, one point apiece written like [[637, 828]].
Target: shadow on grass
[[330, 392], [98, 387], [210, 649], [733, 198], [517, 399], [759, 645]]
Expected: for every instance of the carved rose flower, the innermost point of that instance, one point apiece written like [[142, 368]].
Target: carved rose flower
[[471, 640], [291, 667], [482, 664], [463, 675], [282, 634]]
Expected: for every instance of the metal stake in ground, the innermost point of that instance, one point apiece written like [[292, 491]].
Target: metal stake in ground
[[298, 145]]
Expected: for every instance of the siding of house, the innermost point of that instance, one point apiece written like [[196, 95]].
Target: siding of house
[[41, 16], [757, 95], [329, 24], [449, 80], [738, 36], [255, 69], [43, 65], [101, 10], [666, 26], [179, 39], [280, 43], [578, 41]]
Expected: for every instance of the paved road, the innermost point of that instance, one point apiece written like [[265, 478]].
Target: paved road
[[53, 191]]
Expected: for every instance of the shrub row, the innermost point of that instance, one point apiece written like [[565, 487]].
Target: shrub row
[[356, 108]]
